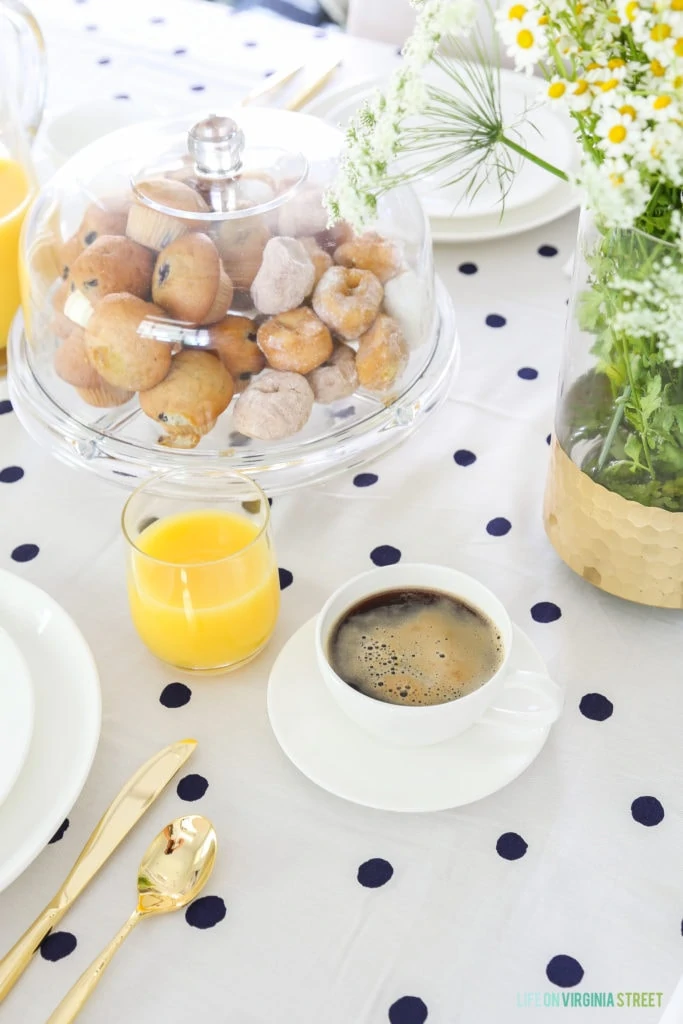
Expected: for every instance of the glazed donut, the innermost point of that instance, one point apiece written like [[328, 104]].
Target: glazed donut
[[371, 252], [275, 405], [295, 341], [382, 354], [348, 300]]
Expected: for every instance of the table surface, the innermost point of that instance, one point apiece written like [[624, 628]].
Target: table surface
[[460, 931]]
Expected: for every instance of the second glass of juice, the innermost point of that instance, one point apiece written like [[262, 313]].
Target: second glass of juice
[[203, 582]]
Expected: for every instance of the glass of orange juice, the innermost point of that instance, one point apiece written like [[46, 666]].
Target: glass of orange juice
[[203, 583]]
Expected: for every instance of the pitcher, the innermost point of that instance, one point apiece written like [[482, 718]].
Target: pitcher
[[22, 96]]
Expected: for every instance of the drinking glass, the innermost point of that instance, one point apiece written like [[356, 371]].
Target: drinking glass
[[22, 96], [203, 583]]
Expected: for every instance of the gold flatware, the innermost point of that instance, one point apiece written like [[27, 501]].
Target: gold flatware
[[271, 84], [173, 871], [311, 90], [135, 798]]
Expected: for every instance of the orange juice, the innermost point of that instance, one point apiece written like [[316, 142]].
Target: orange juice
[[14, 200], [203, 588]]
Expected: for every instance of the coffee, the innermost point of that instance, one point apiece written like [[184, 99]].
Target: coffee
[[415, 647]]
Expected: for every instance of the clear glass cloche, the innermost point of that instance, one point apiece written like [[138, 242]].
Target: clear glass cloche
[[185, 297]]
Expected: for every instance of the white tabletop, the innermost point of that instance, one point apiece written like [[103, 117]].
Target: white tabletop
[[460, 928]]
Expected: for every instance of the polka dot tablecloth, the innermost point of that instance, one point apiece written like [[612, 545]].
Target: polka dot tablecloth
[[321, 912]]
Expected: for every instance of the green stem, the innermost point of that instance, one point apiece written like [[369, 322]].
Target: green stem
[[613, 427], [502, 138], [636, 402]]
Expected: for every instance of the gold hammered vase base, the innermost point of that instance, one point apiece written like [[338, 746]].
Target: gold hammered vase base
[[620, 546]]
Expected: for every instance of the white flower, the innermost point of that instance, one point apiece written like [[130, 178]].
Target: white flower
[[525, 40], [614, 192], [619, 134]]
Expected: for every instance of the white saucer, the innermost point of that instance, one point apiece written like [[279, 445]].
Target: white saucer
[[337, 755], [16, 712], [66, 726]]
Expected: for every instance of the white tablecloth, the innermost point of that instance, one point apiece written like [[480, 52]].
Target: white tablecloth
[[460, 932]]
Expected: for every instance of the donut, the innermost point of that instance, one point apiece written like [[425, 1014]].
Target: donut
[[296, 341], [336, 378], [348, 300], [371, 252], [275, 405], [382, 354]]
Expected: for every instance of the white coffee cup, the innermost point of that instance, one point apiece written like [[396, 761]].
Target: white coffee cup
[[510, 696]]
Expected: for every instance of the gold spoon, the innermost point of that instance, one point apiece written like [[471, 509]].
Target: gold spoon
[[173, 871]]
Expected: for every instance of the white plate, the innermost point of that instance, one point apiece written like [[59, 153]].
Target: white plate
[[535, 198], [336, 754], [66, 727], [16, 712]]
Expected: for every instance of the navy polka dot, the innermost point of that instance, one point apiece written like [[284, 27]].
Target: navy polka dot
[[122, 96], [180, 51], [374, 873], [547, 250], [468, 268], [175, 695], [269, 73], [464, 458], [511, 846], [320, 34], [206, 912], [59, 834], [286, 578], [647, 810], [495, 320], [192, 787], [250, 43], [385, 554], [5, 406], [57, 945], [197, 88], [498, 527], [91, 28], [564, 971], [11, 474], [545, 611], [527, 373], [157, 20], [596, 707], [547, 440], [104, 60], [25, 552], [408, 1010], [365, 479]]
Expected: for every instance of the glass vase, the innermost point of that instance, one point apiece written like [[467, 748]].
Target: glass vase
[[614, 494]]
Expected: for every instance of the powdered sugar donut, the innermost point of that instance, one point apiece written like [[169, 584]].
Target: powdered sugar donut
[[275, 405], [348, 300]]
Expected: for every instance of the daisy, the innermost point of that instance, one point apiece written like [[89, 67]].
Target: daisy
[[618, 133]]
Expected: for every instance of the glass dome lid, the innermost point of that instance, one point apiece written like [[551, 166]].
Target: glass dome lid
[[185, 296]]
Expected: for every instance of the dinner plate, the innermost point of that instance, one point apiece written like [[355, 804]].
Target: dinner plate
[[535, 198], [66, 722], [16, 712]]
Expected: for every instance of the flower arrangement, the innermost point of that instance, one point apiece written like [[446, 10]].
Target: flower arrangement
[[616, 67]]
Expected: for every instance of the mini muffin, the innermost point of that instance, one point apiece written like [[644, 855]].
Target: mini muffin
[[190, 399], [321, 260], [304, 214], [336, 378], [382, 354], [234, 342], [156, 229], [371, 252], [121, 345], [111, 264], [275, 405], [68, 253], [107, 217], [189, 281], [348, 300], [73, 366], [296, 341], [241, 244], [285, 278]]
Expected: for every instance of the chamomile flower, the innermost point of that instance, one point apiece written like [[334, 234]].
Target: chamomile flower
[[526, 40], [661, 107], [618, 133], [614, 193]]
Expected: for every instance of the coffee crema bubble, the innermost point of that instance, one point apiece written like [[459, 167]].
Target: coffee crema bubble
[[415, 647]]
